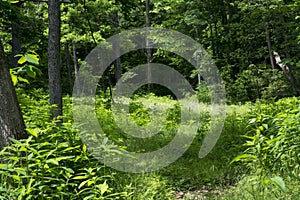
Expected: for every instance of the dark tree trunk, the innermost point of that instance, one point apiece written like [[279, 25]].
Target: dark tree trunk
[[148, 50], [54, 57], [210, 27], [16, 35], [116, 48], [224, 14], [16, 44], [11, 120], [230, 13], [68, 63], [268, 40], [76, 68]]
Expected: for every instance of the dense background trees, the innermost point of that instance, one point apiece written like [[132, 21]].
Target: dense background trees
[[242, 37]]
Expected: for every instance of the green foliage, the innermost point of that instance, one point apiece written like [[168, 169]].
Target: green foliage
[[263, 188], [54, 164], [273, 145], [28, 67], [139, 113], [203, 93]]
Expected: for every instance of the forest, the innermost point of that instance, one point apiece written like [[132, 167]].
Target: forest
[[149, 99]]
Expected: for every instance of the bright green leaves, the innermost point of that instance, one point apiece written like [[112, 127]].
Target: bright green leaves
[[11, 1], [103, 187], [278, 181], [31, 58], [272, 143], [49, 159], [28, 63]]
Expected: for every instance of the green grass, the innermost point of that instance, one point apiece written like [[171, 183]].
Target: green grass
[[190, 177]]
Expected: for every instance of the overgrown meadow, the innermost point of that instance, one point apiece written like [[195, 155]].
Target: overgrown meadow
[[256, 157]]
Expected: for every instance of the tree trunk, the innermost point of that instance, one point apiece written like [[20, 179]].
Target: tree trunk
[[16, 35], [270, 48], [76, 68], [116, 48], [210, 28], [54, 58], [16, 44], [68, 63], [148, 50], [11, 120], [268, 39]]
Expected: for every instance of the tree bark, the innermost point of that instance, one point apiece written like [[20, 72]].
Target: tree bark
[[11, 119], [148, 50], [76, 68], [270, 48], [54, 58], [16, 35], [210, 28], [16, 44], [116, 48], [68, 64]]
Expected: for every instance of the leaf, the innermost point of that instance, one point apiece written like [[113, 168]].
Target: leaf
[[84, 148], [103, 187], [17, 178], [242, 157], [22, 60], [92, 196], [277, 180], [252, 121], [266, 126], [32, 58], [52, 161], [3, 166], [82, 184], [70, 148], [71, 171], [13, 1], [32, 132], [79, 177], [63, 158], [90, 182], [14, 79], [23, 80]]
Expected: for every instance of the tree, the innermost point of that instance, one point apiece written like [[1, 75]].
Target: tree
[[11, 120], [54, 57]]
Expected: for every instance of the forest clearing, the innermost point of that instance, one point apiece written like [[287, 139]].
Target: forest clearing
[[150, 99]]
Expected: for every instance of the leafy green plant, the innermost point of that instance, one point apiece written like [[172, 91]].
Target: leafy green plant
[[28, 63], [274, 147], [53, 163]]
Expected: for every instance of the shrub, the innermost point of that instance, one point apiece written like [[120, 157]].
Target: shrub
[[273, 142]]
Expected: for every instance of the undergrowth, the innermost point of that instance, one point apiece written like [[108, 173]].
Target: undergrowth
[[256, 156]]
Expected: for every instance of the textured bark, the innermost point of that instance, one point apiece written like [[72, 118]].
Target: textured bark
[[11, 120], [16, 35], [210, 28], [54, 57], [68, 64], [116, 48], [16, 44], [76, 68], [148, 50], [270, 48]]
